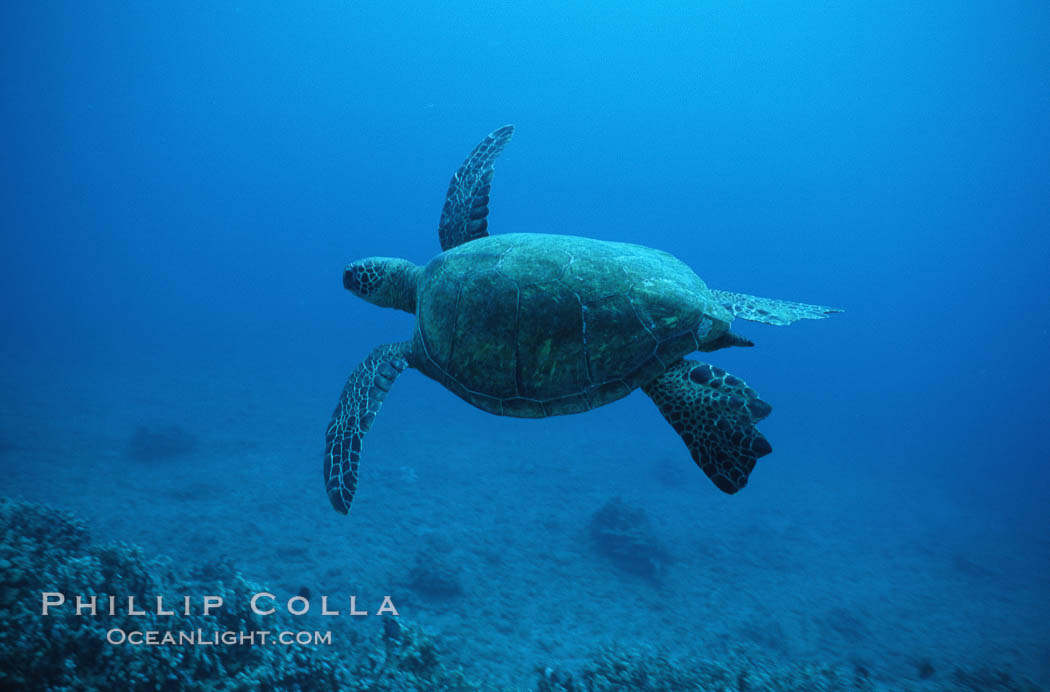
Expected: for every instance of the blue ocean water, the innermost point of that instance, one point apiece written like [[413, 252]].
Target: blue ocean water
[[183, 184]]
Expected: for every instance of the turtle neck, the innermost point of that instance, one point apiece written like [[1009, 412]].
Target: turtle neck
[[404, 283]]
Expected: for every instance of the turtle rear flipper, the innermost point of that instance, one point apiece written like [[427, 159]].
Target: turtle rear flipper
[[715, 414], [358, 405], [770, 310]]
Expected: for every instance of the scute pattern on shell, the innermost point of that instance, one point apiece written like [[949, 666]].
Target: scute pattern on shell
[[536, 325]]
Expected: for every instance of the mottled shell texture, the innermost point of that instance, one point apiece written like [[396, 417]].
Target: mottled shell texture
[[535, 325]]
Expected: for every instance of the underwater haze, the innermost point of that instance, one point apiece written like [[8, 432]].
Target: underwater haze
[[183, 184]]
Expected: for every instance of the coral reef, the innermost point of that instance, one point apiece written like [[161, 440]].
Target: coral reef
[[42, 549], [646, 669], [160, 443], [625, 536]]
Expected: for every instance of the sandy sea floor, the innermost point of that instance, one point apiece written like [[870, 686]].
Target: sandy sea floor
[[804, 564]]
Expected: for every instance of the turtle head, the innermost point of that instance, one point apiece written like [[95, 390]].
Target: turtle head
[[388, 282]]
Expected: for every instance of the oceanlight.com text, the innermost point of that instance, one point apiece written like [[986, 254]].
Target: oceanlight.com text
[[199, 637]]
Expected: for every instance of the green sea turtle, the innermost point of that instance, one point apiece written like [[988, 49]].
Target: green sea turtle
[[535, 325]]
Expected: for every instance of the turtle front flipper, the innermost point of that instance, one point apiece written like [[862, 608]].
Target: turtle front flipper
[[715, 414], [467, 199], [770, 310], [358, 405]]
